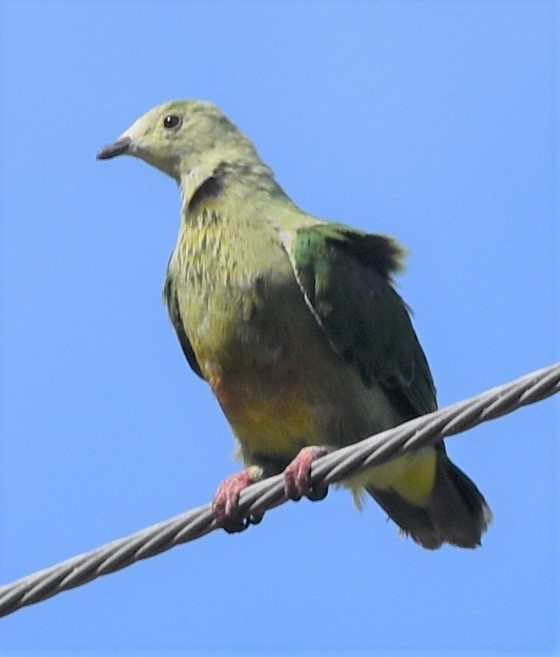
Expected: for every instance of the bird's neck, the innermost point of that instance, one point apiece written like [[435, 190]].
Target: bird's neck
[[235, 174], [227, 219]]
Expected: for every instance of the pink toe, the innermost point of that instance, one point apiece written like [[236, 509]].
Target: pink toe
[[225, 505], [297, 475]]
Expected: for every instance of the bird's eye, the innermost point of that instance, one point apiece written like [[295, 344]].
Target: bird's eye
[[171, 121]]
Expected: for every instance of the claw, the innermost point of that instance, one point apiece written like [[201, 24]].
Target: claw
[[225, 505], [297, 475]]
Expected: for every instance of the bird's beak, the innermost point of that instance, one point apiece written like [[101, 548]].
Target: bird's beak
[[120, 147]]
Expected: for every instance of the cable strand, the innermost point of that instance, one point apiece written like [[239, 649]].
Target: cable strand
[[266, 494]]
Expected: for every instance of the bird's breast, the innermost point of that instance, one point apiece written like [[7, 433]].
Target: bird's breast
[[271, 366], [237, 296]]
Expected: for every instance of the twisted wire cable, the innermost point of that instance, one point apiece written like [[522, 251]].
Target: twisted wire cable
[[266, 494]]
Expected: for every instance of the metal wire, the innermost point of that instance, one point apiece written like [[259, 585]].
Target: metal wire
[[269, 493]]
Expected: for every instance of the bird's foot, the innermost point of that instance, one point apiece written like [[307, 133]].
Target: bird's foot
[[225, 505], [297, 475]]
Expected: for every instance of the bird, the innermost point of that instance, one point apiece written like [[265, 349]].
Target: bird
[[295, 323]]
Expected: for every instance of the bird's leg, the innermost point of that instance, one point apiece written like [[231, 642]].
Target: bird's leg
[[225, 505], [297, 475]]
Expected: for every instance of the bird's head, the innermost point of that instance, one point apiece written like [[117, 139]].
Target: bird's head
[[181, 137]]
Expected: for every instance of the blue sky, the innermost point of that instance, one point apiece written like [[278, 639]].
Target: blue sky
[[436, 122]]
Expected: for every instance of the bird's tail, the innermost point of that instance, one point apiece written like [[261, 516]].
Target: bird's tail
[[456, 512]]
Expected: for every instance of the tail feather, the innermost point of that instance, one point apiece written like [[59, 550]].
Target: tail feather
[[457, 513]]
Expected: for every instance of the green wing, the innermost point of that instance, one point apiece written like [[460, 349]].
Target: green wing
[[170, 297], [345, 276]]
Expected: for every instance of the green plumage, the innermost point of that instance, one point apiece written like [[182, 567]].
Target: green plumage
[[346, 277], [295, 323]]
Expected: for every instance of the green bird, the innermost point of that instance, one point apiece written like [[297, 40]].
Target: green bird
[[295, 324]]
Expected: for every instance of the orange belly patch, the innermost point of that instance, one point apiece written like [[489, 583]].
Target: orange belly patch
[[267, 421]]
